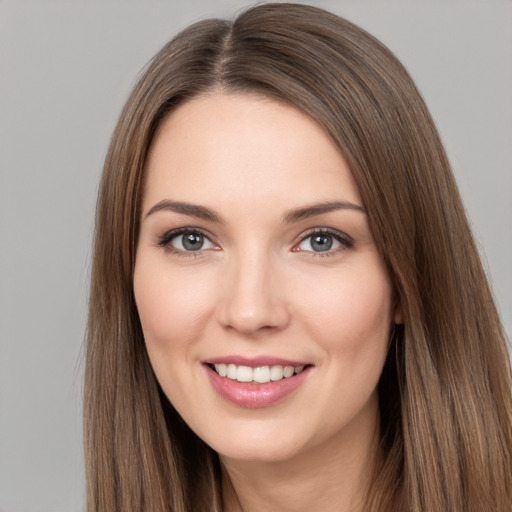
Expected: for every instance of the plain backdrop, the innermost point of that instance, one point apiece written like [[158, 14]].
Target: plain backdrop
[[66, 68]]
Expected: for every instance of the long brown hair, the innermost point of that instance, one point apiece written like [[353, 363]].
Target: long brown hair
[[445, 393]]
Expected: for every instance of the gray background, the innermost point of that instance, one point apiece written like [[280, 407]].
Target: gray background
[[65, 70]]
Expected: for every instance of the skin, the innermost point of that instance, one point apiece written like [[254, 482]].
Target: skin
[[257, 288]]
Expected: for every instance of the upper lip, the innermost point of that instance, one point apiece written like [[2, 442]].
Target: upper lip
[[256, 361]]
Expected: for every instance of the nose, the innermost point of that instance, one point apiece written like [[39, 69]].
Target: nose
[[253, 300]]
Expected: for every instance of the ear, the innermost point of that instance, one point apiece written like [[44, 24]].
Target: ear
[[398, 317]]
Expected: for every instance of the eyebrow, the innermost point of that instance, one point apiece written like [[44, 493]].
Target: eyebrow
[[295, 215], [298, 214], [193, 210]]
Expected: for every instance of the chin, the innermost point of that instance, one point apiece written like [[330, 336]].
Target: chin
[[271, 444], [270, 452]]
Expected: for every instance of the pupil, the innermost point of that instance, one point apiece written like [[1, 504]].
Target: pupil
[[321, 242], [192, 241]]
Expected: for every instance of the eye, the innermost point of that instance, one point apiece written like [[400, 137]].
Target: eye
[[323, 240], [186, 240]]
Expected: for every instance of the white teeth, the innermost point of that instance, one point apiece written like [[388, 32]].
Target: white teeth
[[222, 369], [276, 372], [231, 371], [288, 371], [244, 374], [260, 374]]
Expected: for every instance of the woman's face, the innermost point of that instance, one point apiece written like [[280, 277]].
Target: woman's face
[[255, 255]]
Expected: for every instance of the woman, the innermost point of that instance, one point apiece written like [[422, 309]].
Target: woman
[[287, 308]]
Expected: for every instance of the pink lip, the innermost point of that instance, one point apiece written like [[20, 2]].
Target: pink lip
[[252, 395]]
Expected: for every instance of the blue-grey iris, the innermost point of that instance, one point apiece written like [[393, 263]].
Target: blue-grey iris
[[192, 241], [321, 242]]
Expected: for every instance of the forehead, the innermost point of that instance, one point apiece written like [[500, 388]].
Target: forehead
[[233, 147]]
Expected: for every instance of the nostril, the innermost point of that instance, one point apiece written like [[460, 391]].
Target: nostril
[[260, 318]]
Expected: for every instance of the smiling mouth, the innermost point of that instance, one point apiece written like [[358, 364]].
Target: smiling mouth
[[257, 375]]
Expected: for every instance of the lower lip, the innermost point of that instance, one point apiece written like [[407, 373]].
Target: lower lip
[[254, 395]]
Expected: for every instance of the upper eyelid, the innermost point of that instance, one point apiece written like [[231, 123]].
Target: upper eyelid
[[186, 229], [170, 234], [329, 231], [164, 239]]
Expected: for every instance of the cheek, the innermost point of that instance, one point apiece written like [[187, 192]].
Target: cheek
[[172, 306], [350, 313]]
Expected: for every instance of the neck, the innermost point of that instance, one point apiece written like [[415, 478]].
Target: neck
[[332, 476]]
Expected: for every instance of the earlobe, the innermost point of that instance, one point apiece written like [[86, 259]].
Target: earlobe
[[398, 318]]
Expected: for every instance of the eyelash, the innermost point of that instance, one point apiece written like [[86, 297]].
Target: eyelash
[[345, 241], [165, 242]]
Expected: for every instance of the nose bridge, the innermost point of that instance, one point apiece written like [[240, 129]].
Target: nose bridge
[[252, 299]]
